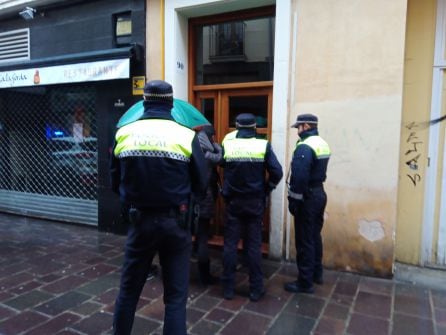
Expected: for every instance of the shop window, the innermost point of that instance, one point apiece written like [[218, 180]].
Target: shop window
[[123, 29]]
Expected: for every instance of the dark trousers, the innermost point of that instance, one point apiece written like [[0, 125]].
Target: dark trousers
[[202, 237], [309, 219], [243, 214], [150, 233]]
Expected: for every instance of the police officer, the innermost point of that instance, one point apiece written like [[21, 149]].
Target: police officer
[[245, 188], [213, 154], [156, 162], [306, 202]]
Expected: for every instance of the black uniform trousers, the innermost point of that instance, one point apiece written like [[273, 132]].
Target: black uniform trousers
[[149, 233], [309, 219], [243, 214]]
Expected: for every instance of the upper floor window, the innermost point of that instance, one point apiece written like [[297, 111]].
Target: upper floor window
[[234, 50], [123, 29]]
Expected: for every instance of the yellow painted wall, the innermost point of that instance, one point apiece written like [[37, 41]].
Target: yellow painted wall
[[154, 39], [349, 71], [414, 139]]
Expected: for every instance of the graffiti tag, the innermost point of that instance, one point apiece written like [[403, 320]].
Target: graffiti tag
[[412, 154]]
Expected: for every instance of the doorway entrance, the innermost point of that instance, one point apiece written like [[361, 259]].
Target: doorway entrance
[[231, 63]]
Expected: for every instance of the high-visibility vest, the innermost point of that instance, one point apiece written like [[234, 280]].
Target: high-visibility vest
[[244, 149], [318, 145], [154, 138]]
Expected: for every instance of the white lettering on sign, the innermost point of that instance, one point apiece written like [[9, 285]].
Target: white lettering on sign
[[71, 73]]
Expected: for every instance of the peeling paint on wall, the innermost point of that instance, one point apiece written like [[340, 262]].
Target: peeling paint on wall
[[371, 230]]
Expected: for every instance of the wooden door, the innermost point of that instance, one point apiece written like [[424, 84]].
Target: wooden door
[[221, 107]]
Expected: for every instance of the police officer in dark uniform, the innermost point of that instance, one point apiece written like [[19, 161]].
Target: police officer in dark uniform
[[306, 202], [156, 164], [207, 205], [246, 160]]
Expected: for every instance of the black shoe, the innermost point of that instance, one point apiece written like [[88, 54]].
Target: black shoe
[[228, 293], [296, 288], [256, 296], [152, 272], [204, 274], [318, 280]]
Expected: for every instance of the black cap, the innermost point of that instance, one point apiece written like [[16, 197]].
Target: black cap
[[305, 118], [158, 90], [245, 120]]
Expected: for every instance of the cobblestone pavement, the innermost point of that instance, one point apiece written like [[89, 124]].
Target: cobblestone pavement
[[62, 279]]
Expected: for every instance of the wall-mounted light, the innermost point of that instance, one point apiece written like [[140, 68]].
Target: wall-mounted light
[[27, 13]]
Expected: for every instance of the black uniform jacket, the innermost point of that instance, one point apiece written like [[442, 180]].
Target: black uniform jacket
[[158, 182], [249, 178], [306, 170]]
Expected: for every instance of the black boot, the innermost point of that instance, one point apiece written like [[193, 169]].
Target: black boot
[[205, 275]]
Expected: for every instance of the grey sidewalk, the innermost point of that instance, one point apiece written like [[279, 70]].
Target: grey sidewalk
[[63, 279]]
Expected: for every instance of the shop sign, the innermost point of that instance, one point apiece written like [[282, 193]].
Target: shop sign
[[71, 73], [138, 84]]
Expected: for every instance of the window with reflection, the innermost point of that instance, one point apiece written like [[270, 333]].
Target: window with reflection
[[256, 105], [235, 51]]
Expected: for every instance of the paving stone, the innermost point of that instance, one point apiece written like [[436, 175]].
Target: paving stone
[[439, 299], [413, 305], [65, 284], [305, 305], [62, 303], [247, 324], [6, 313], [15, 280], [336, 311], [55, 324], [193, 316], [405, 324], [376, 286], [219, 315], [268, 305], [373, 304], [87, 308], [205, 303], [367, 325], [29, 286], [155, 310], [100, 285], [346, 288], [83, 304], [291, 324], [21, 322], [144, 326], [329, 326], [235, 304], [205, 327], [97, 271], [440, 316], [95, 324], [28, 300], [153, 289]]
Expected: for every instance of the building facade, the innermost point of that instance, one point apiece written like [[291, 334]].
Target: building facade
[[67, 73], [371, 70]]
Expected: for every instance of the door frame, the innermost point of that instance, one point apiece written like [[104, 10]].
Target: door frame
[[430, 195], [221, 121], [176, 24]]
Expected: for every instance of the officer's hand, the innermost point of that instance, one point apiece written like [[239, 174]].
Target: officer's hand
[[293, 205]]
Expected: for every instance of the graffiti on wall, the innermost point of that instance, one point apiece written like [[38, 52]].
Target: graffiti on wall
[[413, 154], [413, 143]]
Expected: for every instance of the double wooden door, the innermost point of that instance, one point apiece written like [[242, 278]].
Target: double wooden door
[[221, 104]]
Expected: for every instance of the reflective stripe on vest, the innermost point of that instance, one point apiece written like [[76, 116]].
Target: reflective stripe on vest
[[319, 146], [244, 149], [154, 138]]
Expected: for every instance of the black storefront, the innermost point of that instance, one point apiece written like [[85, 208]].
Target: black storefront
[[59, 106]]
